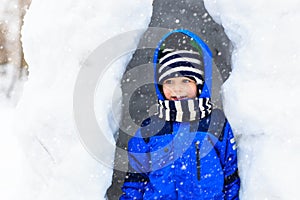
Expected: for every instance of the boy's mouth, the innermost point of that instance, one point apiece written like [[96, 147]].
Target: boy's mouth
[[175, 98]]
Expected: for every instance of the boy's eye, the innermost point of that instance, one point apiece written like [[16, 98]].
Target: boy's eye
[[186, 80], [168, 82]]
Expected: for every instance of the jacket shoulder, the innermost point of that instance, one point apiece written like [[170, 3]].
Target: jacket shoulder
[[154, 126]]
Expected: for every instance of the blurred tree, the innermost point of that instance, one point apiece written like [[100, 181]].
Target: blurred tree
[[23, 6], [12, 62], [3, 50]]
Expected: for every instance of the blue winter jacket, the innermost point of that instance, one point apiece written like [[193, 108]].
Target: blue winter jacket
[[183, 160]]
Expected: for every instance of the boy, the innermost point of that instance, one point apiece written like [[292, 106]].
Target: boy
[[187, 149]]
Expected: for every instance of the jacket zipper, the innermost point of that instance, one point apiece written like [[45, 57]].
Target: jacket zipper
[[198, 159]]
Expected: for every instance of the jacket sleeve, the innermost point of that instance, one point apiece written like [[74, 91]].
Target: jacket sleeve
[[230, 166], [138, 167]]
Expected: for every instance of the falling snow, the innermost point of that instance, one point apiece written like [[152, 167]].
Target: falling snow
[[260, 97]]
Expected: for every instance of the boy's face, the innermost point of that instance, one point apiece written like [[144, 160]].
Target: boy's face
[[179, 88]]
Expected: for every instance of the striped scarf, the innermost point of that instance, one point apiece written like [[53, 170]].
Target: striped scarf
[[184, 110]]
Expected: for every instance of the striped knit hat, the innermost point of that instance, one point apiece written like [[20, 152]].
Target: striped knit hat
[[177, 63], [180, 55]]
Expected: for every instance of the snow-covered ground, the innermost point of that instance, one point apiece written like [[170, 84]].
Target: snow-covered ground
[[41, 151], [262, 93]]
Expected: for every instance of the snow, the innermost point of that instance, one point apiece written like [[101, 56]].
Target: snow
[[42, 154], [261, 95], [58, 36]]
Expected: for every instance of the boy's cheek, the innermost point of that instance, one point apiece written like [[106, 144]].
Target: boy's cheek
[[167, 90], [168, 96]]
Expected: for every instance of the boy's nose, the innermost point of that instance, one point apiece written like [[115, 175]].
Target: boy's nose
[[177, 90]]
